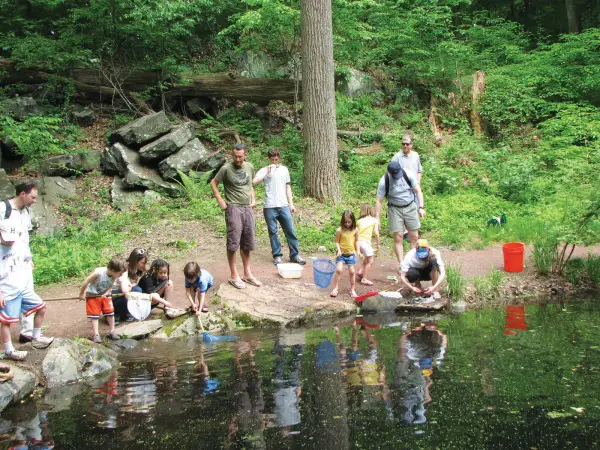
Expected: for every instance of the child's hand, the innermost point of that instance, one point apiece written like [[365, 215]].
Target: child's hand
[[82, 298], [339, 253], [167, 304]]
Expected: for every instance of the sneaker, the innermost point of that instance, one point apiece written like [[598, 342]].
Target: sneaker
[[277, 260], [130, 319], [42, 342], [298, 260], [113, 336], [24, 339], [16, 355], [97, 339]]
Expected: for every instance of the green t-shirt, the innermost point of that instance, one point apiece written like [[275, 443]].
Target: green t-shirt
[[237, 183]]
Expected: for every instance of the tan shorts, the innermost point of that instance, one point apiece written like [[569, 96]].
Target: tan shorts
[[240, 228], [401, 218]]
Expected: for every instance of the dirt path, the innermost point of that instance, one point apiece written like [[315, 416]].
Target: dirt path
[[67, 318]]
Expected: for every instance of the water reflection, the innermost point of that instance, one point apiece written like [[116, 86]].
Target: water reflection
[[372, 382], [420, 350]]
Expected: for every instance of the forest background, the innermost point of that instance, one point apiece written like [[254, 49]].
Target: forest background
[[536, 159]]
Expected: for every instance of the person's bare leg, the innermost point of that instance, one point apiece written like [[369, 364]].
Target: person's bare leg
[[336, 278], [435, 275], [166, 291], [6, 338], [366, 267], [398, 246], [38, 320], [414, 237], [235, 276], [111, 323], [246, 263], [352, 273], [95, 326]]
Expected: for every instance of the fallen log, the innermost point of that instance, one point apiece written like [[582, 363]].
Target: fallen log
[[221, 85], [346, 133]]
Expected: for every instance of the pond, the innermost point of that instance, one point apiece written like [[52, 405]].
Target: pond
[[522, 377]]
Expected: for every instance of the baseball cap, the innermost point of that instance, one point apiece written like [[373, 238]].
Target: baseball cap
[[422, 249], [394, 168]]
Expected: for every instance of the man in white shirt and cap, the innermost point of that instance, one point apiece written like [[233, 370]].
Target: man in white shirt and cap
[[423, 263]]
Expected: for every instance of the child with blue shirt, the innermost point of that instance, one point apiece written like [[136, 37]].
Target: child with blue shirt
[[197, 282]]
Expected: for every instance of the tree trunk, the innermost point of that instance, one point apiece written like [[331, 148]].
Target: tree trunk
[[321, 176], [572, 19], [433, 123], [477, 91], [224, 85]]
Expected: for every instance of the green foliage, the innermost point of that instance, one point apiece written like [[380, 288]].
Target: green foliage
[[575, 271], [592, 267], [545, 254], [38, 137], [487, 287], [456, 283]]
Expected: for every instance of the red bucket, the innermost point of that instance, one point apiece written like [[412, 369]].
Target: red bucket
[[513, 256]]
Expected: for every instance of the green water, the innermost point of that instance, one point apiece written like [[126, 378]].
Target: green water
[[516, 377]]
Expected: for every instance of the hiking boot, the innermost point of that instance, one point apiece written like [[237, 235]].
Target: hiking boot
[[298, 260], [277, 260], [113, 336], [97, 339], [24, 339], [16, 355], [42, 342]]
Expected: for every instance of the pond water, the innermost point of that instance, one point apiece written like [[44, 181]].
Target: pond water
[[522, 377]]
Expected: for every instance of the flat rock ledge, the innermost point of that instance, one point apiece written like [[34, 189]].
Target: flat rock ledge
[[70, 361], [21, 386], [139, 330], [287, 304]]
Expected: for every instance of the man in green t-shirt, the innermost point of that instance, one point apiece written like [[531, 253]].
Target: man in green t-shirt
[[236, 177]]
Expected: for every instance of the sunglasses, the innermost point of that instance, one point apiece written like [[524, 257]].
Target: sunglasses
[[141, 251], [406, 143]]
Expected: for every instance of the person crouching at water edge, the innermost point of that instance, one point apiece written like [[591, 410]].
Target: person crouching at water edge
[[423, 263], [346, 241]]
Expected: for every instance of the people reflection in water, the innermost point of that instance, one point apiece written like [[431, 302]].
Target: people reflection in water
[[421, 349], [365, 375], [209, 385], [286, 379], [247, 426], [104, 408], [25, 428]]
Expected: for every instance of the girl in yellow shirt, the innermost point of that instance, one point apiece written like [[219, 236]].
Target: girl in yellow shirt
[[346, 242], [367, 225]]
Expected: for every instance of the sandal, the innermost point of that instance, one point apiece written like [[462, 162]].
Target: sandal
[[334, 294], [252, 281], [205, 309], [238, 284], [351, 294], [366, 282], [359, 276]]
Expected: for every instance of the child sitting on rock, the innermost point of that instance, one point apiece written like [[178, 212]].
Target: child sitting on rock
[[156, 281], [197, 283], [94, 291]]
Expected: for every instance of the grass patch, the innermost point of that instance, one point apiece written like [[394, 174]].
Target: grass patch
[[487, 287], [456, 283]]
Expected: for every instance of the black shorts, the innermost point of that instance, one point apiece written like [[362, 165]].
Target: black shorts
[[413, 275]]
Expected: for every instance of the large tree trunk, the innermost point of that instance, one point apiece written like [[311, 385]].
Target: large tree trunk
[[572, 19], [259, 90], [321, 176]]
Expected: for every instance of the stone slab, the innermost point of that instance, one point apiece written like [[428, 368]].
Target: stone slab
[[142, 130], [286, 303], [22, 384], [139, 330], [168, 144]]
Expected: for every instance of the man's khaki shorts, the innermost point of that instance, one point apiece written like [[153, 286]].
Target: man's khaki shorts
[[401, 218]]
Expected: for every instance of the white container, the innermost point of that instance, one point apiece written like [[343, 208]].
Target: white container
[[290, 270]]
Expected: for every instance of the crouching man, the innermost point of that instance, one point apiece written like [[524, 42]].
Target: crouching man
[[423, 263]]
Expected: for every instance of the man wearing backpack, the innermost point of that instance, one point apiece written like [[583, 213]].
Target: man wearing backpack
[[403, 192], [17, 296]]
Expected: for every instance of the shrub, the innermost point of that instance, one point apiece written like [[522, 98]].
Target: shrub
[[592, 266], [545, 253], [575, 270], [456, 283]]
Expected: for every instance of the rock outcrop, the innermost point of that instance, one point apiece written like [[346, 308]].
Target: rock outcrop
[[142, 130], [12, 391], [193, 156], [168, 144], [71, 165], [68, 361]]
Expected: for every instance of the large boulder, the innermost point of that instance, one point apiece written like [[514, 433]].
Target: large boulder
[[194, 156], [284, 304], [69, 361], [81, 115], [26, 106], [116, 158], [19, 387], [7, 189], [356, 83], [142, 130], [168, 144], [44, 214], [71, 165], [124, 198]]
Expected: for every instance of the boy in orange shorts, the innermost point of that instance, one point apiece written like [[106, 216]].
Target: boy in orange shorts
[[94, 291]]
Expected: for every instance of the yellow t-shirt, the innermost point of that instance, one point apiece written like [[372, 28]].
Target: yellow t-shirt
[[366, 225], [347, 242]]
